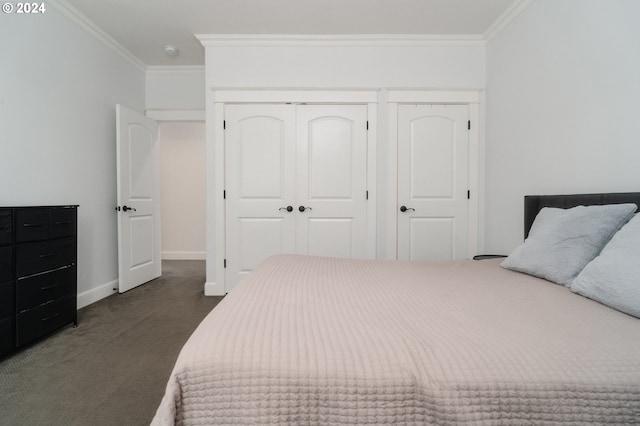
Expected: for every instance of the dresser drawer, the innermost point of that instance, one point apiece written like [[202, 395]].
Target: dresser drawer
[[6, 230], [42, 320], [43, 256], [6, 335], [63, 222], [6, 263], [6, 299], [39, 289], [32, 224]]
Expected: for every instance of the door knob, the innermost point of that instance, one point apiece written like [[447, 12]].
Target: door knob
[[126, 208], [288, 208], [303, 208], [405, 208]]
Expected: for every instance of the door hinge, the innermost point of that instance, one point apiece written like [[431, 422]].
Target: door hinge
[[224, 194], [367, 124], [469, 125], [468, 195], [367, 194], [117, 208], [224, 124], [225, 263]]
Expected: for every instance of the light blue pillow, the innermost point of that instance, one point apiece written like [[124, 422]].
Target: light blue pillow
[[613, 278], [543, 217], [563, 243]]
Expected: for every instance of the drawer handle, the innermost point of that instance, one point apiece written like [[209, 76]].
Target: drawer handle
[[48, 287], [32, 225], [64, 222], [42, 256], [50, 317]]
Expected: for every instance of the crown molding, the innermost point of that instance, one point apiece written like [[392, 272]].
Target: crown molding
[[382, 40], [90, 27], [256, 40], [505, 19]]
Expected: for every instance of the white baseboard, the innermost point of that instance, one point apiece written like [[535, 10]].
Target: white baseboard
[[88, 297], [213, 289], [183, 255]]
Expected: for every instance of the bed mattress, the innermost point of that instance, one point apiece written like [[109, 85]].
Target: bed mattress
[[312, 340]]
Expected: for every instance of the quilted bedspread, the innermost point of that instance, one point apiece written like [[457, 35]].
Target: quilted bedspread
[[311, 340]]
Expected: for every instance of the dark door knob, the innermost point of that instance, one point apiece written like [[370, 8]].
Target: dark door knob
[[126, 208], [303, 208], [405, 208], [288, 208]]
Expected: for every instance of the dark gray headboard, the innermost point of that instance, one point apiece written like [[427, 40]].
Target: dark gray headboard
[[534, 203]]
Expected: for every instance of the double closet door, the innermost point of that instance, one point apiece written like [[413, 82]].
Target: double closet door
[[295, 182]]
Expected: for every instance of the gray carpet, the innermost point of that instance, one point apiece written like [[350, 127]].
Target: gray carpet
[[113, 368]]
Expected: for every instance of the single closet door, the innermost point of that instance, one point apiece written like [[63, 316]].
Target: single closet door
[[260, 185], [433, 146], [296, 178]]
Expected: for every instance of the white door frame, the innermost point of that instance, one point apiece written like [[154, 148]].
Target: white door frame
[[445, 97], [224, 96]]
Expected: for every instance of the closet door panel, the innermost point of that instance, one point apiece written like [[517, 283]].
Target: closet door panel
[[331, 180], [330, 158], [332, 237], [433, 147], [260, 184]]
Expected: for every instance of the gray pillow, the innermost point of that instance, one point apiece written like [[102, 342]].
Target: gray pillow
[[544, 216], [613, 278], [562, 244]]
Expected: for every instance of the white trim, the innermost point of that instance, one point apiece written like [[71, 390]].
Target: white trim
[[389, 40], [91, 28], [88, 297], [224, 96], [434, 96], [407, 96], [213, 289], [217, 193], [175, 69], [473, 211], [503, 21], [372, 191], [183, 255], [176, 114], [295, 95]]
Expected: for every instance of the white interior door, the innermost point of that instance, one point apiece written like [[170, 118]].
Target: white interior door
[[432, 182], [138, 199], [260, 185], [331, 180], [295, 182]]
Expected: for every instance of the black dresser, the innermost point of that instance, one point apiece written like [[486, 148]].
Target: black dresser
[[38, 272]]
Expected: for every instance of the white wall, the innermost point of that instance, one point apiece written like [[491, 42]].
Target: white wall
[[175, 88], [562, 108], [58, 90], [182, 182], [313, 65]]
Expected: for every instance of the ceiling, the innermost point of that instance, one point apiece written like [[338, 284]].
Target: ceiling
[[145, 27]]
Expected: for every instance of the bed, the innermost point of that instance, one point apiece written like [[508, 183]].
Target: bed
[[312, 340]]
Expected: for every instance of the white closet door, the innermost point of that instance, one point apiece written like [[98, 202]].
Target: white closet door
[[260, 185], [311, 158], [332, 180], [432, 182]]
